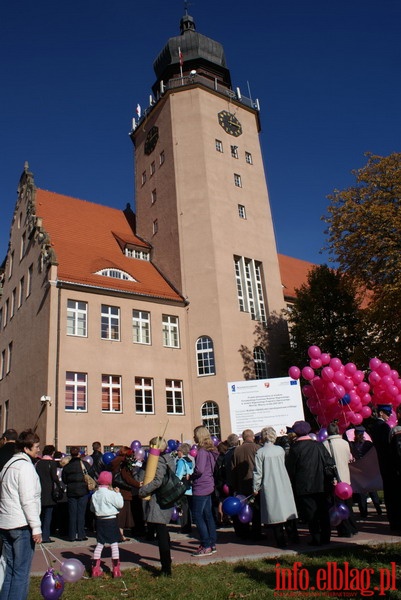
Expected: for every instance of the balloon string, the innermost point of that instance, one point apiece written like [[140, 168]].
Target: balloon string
[[44, 550]]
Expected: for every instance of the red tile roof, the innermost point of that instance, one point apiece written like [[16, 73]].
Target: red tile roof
[[293, 274], [85, 238]]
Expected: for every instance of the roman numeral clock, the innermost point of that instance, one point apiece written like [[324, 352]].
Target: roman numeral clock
[[230, 123]]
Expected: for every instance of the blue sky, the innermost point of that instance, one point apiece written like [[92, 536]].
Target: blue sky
[[327, 76]]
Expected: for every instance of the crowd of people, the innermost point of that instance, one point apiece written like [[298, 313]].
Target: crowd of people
[[285, 479]]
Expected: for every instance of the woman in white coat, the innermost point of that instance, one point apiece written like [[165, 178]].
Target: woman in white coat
[[272, 483]]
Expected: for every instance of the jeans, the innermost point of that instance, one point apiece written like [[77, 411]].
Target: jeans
[[76, 517], [46, 518], [18, 549], [202, 514]]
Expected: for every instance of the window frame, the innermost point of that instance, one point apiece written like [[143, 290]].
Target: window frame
[[170, 331], [242, 211], [141, 324], [237, 180], [78, 387], [218, 145], [142, 387], [175, 397], [79, 315], [109, 323], [205, 358], [109, 387]]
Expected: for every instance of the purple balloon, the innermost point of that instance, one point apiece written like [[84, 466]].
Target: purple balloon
[[52, 585], [335, 517], [72, 570], [246, 514], [140, 453], [88, 459], [135, 445], [215, 440], [343, 511], [175, 514], [322, 434]]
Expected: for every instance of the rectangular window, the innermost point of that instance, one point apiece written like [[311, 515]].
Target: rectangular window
[[171, 334], [21, 291], [13, 300], [9, 357], [5, 314], [111, 393], [174, 397], [141, 326], [3, 364], [234, 151], [11, 264], [77, 313], [144, 395], [152, 168], [248, 275], [23, 246], [139, 254], [241, 211], [76, 385], [153, 196], [248, 158], [143, 177], [237, 180], [162, 157], [110, 324], [29, 281], [155, 227], [219, 145]]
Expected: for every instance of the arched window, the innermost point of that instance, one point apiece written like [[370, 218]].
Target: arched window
[[116, 274], [259, 359], [205, 356], [211, 418]]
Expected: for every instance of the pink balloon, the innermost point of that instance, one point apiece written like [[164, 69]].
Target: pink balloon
[[315, 363], [327, 373], [308, 373], [325, 358], [363, 387], [343, 490], [336, 364], [339, 377], [314, 352], [397, 400], [394, 374], [308, 391], [384, 369], [339, 391], [374, 363], [358, 376], [226, 490], [193, 452], [356, 419], [374, 378], [294, 372], [366, 399], [350, 368], [348, 384], [366, 412]]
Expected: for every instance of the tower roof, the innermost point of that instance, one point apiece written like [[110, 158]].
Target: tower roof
[[197, 51]]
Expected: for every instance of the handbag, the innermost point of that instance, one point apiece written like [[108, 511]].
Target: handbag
[[90, 482], [171, 489], [329, 468], [119, 482]]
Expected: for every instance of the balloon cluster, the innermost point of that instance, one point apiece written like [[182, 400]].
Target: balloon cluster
[[238, 506], [333, 390], [385, 384], [52, 584]]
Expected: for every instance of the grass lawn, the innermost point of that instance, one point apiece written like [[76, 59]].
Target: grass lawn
[[369, 571]]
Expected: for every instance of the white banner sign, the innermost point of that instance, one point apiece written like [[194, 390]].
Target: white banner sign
[[265, 403]]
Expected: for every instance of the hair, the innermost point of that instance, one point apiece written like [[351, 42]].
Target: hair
[[58, 455], [222, 447], [10, 435], [26, 439], [64, 460], [203, 439], [49, 450], [232, 440], [96, 446], [74, 451], [332, 429], [248, 434], [124, 451], [158, 442], [268, 434], [184, 448]]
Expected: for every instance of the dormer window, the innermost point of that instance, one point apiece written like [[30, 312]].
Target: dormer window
[[139, 254], [116, 274]]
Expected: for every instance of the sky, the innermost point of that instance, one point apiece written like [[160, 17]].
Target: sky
[[326, 74]]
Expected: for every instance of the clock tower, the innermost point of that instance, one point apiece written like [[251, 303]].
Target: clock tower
[[202, 203]]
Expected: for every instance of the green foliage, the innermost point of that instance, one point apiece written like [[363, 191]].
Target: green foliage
[[326, 313], [364, 236]]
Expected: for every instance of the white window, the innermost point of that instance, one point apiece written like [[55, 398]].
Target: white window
[[5, 313], [259, 359], [9, 357], [248, 158], [219, 145], [116, 274], [143, 177], [139, 254], [241, 211], [29, 281], [3, 364], [144, 395], [211, 418], [111, 393], [155, 227], [21, 291], [248, 275], [11, 264], [162, 157], [141, 326], [76, 391], [171, 335], [77, 315], [110, 323], [237, 180], [152, 168], [13, 300], [205, 356], [153, 196], [23, 246], [234, 151], [174, 397]]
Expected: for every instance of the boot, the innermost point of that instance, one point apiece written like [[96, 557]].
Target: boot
[[96, 568], [116, 567]]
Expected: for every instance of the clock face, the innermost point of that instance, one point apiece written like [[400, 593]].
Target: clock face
[[151, 140], [230, 123]]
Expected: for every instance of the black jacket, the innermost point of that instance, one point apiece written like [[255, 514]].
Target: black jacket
[[73, 477], [47, 471], [306, 468]]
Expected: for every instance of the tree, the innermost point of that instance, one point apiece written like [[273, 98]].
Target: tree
[[364, 236], [326, 313]]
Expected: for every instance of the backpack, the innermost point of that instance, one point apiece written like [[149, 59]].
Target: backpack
[[171, 489]]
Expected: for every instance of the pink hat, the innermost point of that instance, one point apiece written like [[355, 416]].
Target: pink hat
[[105, 478]]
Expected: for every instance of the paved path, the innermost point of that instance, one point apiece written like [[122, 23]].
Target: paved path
[[139, 553]]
